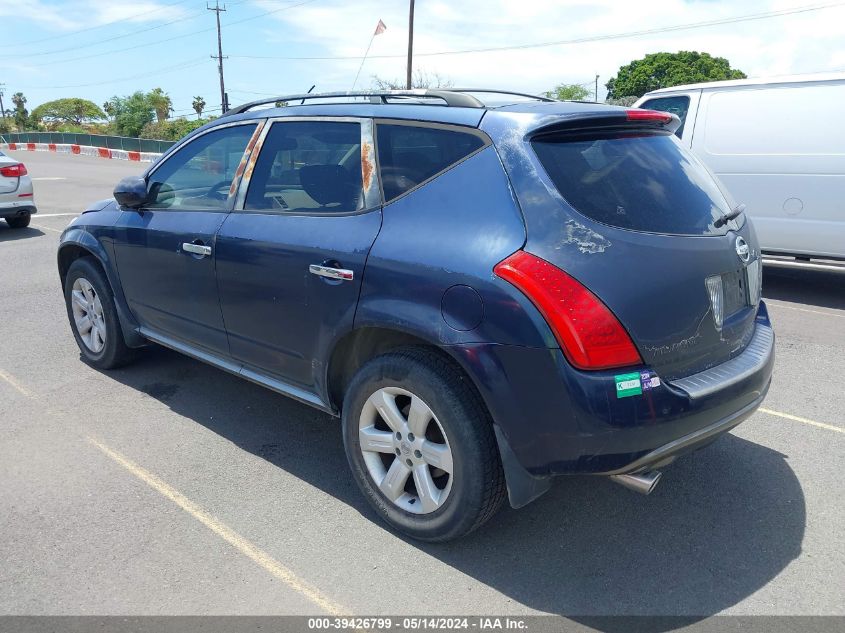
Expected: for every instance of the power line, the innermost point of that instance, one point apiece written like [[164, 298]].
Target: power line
[[93, 28], [580, 40], [171, 39], [116, 37], [158, 71]]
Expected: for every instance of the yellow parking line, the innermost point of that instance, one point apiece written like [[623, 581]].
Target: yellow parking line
[[795, 418], [781, 305], [226, 533], [17, 386]]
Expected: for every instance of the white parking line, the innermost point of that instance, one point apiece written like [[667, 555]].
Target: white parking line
[[49, 178], [46, 228], [55, 215]]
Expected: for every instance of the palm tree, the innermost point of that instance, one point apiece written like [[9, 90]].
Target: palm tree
[[199, 106], [161, 103]]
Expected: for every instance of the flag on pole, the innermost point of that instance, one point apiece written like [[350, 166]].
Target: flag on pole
[[381, 27]]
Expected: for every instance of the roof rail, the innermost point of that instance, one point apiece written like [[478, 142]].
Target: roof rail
[[449, 96]]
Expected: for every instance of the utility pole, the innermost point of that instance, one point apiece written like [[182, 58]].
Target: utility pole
[[410, 46], [596, 93], [224, 100], [2, 109]]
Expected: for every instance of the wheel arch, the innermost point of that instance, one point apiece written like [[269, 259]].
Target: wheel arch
[[76, 244]]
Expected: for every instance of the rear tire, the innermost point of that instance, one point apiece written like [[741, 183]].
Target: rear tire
[[93, 316], [19, 221], [399, 471]]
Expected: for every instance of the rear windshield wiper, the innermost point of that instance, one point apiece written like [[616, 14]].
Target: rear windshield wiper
[[729, 216]]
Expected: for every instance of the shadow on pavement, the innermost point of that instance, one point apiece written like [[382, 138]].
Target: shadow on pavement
[[10, 235], [723, 523], [822, 288]]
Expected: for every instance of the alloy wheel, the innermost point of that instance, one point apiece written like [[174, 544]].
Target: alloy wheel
[[406, 451], [88, 315]]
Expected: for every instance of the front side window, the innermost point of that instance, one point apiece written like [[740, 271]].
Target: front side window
[[411, 154], [308, 167], [679, 106], [199, 175]]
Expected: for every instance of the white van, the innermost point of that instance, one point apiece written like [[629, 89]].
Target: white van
[[778, 145]]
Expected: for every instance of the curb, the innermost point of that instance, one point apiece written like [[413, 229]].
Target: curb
[[84, 150]]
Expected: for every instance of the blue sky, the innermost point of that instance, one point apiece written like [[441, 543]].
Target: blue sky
[[92, 49]]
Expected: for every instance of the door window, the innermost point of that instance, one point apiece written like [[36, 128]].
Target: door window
[[199, 175], [679, 106], [411, 154], [308, 167]]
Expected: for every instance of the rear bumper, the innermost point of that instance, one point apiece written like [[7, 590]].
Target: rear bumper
[[15, 207], [558, 420]]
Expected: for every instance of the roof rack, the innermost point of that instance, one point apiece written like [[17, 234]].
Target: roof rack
[[451, 97]]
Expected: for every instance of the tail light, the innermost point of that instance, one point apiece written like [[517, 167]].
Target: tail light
[[13, 171], [649, 115], [589, 334]]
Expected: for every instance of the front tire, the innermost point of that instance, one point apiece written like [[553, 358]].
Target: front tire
[[19, 221], [93, 316], [421, 446]]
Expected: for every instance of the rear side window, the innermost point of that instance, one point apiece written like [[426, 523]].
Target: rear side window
[[679, 106], [410, 155], [633, 181], [308, 166]]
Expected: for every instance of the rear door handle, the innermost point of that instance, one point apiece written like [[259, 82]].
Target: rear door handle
[[196, 249], [332, 273]]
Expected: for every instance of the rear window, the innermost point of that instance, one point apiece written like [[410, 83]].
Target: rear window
[[633, 181]]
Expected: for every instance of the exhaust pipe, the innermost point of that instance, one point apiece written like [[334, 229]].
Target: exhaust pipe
[[643, 483]]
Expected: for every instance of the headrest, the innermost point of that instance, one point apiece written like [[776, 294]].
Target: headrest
[[330, 184]]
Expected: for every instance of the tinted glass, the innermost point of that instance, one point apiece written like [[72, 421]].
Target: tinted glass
[[199, 175], [409, 155], [311, 166], [641, 182], [674, 105]]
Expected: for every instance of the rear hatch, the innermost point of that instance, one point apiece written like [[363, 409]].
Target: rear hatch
[[635, 218]]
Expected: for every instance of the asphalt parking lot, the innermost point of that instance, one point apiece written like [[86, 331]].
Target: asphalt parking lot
[[169, 487]]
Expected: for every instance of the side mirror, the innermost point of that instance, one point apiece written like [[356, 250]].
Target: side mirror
[[131, 192]]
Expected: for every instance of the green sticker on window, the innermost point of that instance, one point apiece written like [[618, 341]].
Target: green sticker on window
[[628, 385]]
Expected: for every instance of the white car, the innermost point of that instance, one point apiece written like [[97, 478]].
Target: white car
[[17, 201], [778, 146]]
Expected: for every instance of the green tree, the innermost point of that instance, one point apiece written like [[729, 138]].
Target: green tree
[[108, 108], [568, 92], [71, 110], [161, 103], [131, 113], [171, 130], [199, 105], [21, 113], [662, 70]]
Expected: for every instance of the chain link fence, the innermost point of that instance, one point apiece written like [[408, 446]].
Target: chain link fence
[[91, 140]]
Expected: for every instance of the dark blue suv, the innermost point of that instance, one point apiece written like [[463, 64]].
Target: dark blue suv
[[488, 289]]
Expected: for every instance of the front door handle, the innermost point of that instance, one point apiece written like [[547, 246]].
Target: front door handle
[[197, 249], [330, 272]]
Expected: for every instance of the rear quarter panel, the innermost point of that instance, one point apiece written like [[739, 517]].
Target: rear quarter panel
[[450, 232]]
